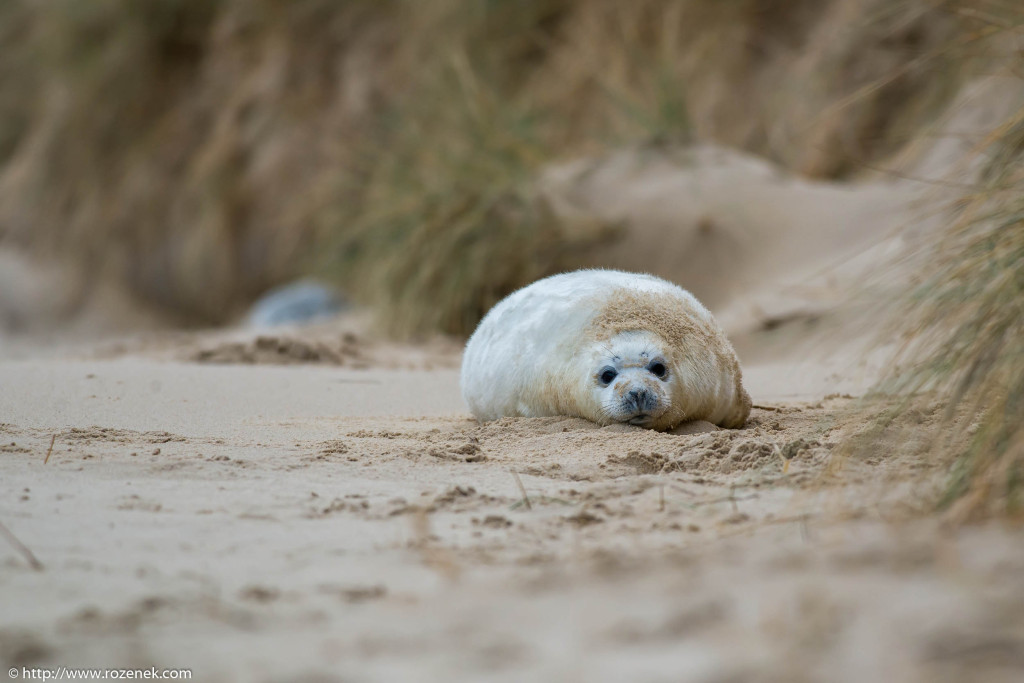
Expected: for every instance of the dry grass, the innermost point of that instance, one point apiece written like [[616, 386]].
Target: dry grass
[[964, 319], [205, 150], [439, 218], [968, 316]]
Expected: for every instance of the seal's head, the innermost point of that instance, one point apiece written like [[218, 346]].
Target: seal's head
[[631, 379]]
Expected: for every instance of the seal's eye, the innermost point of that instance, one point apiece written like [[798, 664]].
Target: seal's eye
[[658, 370], [607, 375]]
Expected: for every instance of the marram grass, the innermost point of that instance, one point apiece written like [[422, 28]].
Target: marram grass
[[967, 320], [435, 234]]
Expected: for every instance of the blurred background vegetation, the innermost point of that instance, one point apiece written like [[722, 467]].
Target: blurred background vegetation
[[203, 151]]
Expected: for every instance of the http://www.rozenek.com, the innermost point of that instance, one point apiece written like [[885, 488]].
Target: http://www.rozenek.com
[[64, 673]]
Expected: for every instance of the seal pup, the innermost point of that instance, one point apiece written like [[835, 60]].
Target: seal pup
[[604, 345]]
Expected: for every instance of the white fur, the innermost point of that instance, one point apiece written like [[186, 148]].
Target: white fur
[[531, 357]]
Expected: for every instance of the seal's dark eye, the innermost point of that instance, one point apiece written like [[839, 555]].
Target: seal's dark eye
[[607, 375], [658, 370]]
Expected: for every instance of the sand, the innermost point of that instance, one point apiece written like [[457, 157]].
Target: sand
[[252, 521]]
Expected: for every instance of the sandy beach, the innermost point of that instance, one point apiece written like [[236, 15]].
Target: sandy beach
[[318, 522]]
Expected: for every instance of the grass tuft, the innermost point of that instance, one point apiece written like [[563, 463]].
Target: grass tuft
[[967, 321], [434, 235]]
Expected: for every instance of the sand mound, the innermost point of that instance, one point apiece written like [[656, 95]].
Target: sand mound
[[46, 307], [284, 350], [745, 237]]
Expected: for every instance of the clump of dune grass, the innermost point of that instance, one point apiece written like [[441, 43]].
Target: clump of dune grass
[[440, 215], [966, 323]]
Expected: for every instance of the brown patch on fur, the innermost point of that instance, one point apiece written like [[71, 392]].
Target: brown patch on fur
[[663, 314]]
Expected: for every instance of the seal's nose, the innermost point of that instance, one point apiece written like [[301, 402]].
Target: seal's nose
[[642, 400]]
